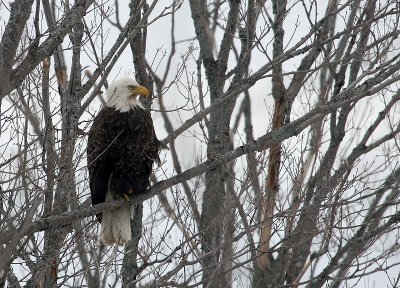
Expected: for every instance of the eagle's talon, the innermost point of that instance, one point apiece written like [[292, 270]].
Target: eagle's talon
[[126, 197]]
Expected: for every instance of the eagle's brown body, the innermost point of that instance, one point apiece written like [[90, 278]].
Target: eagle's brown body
[[123, 145], [121, 150]]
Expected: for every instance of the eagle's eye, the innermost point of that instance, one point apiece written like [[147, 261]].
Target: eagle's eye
[[130, 87]]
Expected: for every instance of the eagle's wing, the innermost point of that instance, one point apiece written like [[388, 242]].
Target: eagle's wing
[[99, 163], [154, 149], [153, 144]]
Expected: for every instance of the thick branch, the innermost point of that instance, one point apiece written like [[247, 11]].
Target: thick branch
[[20, 11], [35, 56]]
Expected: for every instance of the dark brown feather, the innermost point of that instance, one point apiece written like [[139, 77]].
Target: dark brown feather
[[124, 145]]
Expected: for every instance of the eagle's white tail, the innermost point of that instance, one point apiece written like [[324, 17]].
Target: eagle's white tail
[[115, 225]]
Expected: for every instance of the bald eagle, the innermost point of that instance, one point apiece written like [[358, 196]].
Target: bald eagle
[[122, 147]]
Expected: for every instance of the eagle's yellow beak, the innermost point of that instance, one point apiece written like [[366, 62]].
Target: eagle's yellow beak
[[140, 90]]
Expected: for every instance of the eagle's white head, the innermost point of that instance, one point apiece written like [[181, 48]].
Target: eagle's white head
[[123, 94]]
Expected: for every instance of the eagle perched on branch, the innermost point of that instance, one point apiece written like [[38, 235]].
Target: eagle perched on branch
[[122, 147]]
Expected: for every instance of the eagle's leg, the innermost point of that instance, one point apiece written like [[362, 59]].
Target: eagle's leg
[[126, 195]]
